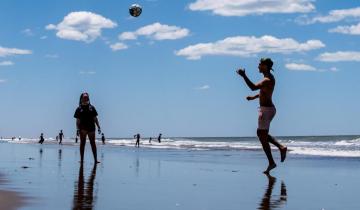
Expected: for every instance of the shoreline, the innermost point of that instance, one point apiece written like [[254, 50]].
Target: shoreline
[[168, 179], [10, 199], [196, 137]]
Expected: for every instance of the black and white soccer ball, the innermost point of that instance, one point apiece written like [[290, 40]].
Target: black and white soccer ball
[[135, 10]]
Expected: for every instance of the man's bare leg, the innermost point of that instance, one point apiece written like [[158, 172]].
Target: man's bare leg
[[281, 147], [263, 137]]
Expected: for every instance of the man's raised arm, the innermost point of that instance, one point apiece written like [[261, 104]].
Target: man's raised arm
[[250, 84]]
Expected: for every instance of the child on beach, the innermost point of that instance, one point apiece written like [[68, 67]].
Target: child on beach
[[86, 119]]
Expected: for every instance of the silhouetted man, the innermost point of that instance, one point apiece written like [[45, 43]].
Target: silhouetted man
[[103, 138], [137, 136], [159, 138], [61, 136], [41, 138], [267, 109]]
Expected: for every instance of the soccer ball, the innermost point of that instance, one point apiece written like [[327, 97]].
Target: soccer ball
[[135, 10]]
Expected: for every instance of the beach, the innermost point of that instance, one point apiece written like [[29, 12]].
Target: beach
[[49, 176]]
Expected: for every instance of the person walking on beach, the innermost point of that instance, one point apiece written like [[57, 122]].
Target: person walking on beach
[[103, 138], [41, 138], [86, 119], [61, 136], [137, 136], [150, 139], [267, 109], [159, 138]]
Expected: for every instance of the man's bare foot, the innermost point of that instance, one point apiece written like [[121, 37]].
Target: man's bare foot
[[283, 153], [271, 178], [269, 168]]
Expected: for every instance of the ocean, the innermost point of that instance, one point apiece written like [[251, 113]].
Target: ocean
[[329, 146], [182, 173]]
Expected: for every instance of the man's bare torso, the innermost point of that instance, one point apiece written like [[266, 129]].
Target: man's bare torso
[[266, 91]]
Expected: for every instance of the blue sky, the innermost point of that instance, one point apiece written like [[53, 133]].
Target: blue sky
[[173, 71]]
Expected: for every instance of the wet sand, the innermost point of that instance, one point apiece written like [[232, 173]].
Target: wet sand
[[9, 199], [130, 178]]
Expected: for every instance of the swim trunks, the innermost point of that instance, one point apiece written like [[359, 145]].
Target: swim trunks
[[266, 114]]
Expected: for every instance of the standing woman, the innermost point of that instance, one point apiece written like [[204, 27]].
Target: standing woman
[[86, 118]]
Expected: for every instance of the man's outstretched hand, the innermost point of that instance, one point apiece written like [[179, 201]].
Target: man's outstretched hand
[[241, 72], [250, 98]]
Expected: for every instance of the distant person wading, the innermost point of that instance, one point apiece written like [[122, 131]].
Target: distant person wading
[[86, 118], [61, 136], [137, 136], [41, 141]]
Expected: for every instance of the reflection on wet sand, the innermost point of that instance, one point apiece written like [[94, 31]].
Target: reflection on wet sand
[[137, 166], [269, 203], [84, 191], [41, 155], [59, 157]]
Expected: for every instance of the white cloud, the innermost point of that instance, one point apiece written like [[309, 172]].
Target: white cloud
[[6, 63], [251, 7], [299, 67], [127, 36], [87, 72], [340, 56], [246, 46], [204, 87], [2, 81], [333, 16], [27, 32], [118, 46], [43, 37], [4, 52], [157, 31], [306, 67], [81, 26], [352, 30]]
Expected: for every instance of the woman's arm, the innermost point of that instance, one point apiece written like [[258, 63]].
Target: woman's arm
[[77, 126], [97, 124]]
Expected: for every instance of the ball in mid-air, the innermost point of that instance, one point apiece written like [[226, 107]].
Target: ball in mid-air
[[135, 10]]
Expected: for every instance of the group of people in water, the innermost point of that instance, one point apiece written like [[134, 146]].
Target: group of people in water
[[138, 137], [60, 137], [87, 121]]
